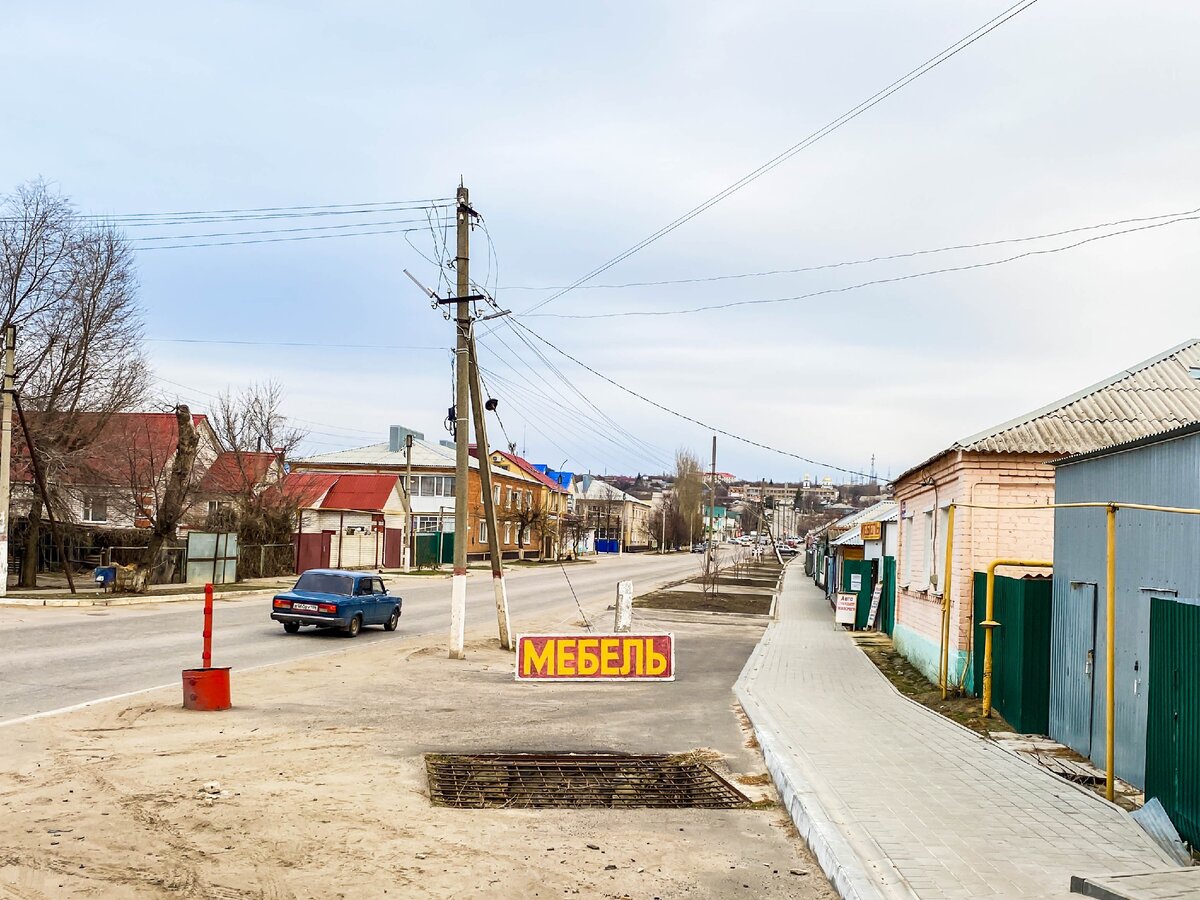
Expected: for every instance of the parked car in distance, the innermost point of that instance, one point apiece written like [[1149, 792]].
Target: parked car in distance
[[699, 548], [334, 598]]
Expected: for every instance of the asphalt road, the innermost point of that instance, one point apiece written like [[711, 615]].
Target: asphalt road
[[55, 658]]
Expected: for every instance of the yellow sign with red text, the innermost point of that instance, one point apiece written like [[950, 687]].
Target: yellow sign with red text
[[607, 657], [871, 531]]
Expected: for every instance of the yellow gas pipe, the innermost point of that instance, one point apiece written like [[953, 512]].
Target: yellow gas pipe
[[989, 617]]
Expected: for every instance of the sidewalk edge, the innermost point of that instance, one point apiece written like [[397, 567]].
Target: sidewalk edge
[[841, 865]]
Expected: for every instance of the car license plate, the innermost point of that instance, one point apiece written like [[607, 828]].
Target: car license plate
[[305, 607]]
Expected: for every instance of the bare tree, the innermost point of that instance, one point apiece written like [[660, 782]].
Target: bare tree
[[179, 484], [70, 289], [530, 518]]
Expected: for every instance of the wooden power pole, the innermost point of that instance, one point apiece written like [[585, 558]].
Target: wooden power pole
[[489, 501], [6, 410], [462, 428]]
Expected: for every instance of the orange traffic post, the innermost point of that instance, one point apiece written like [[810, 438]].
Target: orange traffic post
[[206, 688]]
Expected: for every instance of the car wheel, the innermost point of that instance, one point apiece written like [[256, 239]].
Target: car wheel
[[291, 627], [354, 626], [393, 620]]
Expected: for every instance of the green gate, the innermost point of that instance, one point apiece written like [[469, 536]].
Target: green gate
[[1020, 650], [1173, 715], [887, 601], [865, 568], [428, 543]]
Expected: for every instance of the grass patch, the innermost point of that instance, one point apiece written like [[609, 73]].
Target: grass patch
[[911, 683], [751, 604], [763, 778]]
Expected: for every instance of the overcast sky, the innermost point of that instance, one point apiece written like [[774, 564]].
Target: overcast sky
[[582, 128]]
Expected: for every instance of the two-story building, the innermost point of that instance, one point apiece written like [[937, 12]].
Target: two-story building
[[433, 485]]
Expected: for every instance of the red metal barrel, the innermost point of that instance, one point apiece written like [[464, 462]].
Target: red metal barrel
[[206, 689]]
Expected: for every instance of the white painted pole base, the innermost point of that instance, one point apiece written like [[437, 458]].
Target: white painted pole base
[[623, 621], [458, 614], [506, 636]]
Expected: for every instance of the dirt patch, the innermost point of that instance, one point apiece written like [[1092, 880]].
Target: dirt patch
[[751, 604], [910, 682], [314, 786]]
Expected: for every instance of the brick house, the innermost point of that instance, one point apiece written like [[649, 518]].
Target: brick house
[[1009, 465]]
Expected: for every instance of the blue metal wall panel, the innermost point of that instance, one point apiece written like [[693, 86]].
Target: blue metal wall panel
[[1155, 558]]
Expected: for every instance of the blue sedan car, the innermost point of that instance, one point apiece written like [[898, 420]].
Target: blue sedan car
[[334, 598]]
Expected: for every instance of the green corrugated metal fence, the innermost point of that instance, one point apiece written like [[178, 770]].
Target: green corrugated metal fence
[[427, 548], [1020, 650], [1173, 719], [887, 604]]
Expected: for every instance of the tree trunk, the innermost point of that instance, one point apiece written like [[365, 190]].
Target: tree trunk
[[32, 537], [170, 510]]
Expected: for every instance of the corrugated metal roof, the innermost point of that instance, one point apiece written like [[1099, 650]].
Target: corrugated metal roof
[[365, 493], [852, 538], [425, 455], [873, 513], [1155, 395]]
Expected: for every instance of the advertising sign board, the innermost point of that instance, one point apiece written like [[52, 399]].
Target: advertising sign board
[[847, 608], [595, 657]]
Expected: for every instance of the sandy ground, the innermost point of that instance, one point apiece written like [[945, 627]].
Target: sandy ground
[[320, 786]]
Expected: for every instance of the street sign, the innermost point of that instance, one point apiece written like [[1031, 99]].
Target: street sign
[[876, 596], [595, 657], [847, 608]]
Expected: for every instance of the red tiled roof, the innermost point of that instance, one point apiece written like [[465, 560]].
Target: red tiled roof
[[233, 472], [528, 469], [360, 492]]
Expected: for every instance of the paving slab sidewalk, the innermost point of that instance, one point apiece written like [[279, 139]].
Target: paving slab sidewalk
[[897, 801]]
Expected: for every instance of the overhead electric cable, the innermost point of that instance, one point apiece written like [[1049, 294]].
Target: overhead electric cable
[[863, 284], [851, 114], [303, 237], [684, 416], [181, 237], [321, 344], [859, 262], [369, 204]]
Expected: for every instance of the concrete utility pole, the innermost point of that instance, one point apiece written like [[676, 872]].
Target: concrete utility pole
[[462, 428], [409, 537], [489, 505], [6, 408], [712, 511]]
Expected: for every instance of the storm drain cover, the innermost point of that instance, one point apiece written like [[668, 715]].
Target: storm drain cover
[[577, 781]]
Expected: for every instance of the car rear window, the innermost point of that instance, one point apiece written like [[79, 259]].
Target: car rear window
[[322, 583]]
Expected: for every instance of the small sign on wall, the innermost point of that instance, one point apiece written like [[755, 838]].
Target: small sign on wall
[[856, 581], [876, 596]]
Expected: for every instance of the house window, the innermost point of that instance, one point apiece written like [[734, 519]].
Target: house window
[[482, 531], [939, 545], [906, 538], [508, 499], [425, 524], [508, 532], [433, 486], [496, 495], [928, 548], [529, 499], [95, 508]]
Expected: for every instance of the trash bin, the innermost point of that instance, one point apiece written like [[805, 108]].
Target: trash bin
[[105, 576]]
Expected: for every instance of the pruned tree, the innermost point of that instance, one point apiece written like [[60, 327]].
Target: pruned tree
[[171, 500], [69, 288], [530, 518]]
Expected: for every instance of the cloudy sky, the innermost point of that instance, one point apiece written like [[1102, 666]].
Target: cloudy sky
[[581, 129]]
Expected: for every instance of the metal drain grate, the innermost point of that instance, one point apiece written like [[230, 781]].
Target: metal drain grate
[[577, 781]]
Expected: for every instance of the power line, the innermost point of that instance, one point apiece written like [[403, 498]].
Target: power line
[[321, 344], [180, 237], [851, 114], [367, 205], [858, 262], [683, 416], [306, 237], [873, 282]]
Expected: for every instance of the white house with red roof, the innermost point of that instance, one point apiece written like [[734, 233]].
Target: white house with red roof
[[348, 521]]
